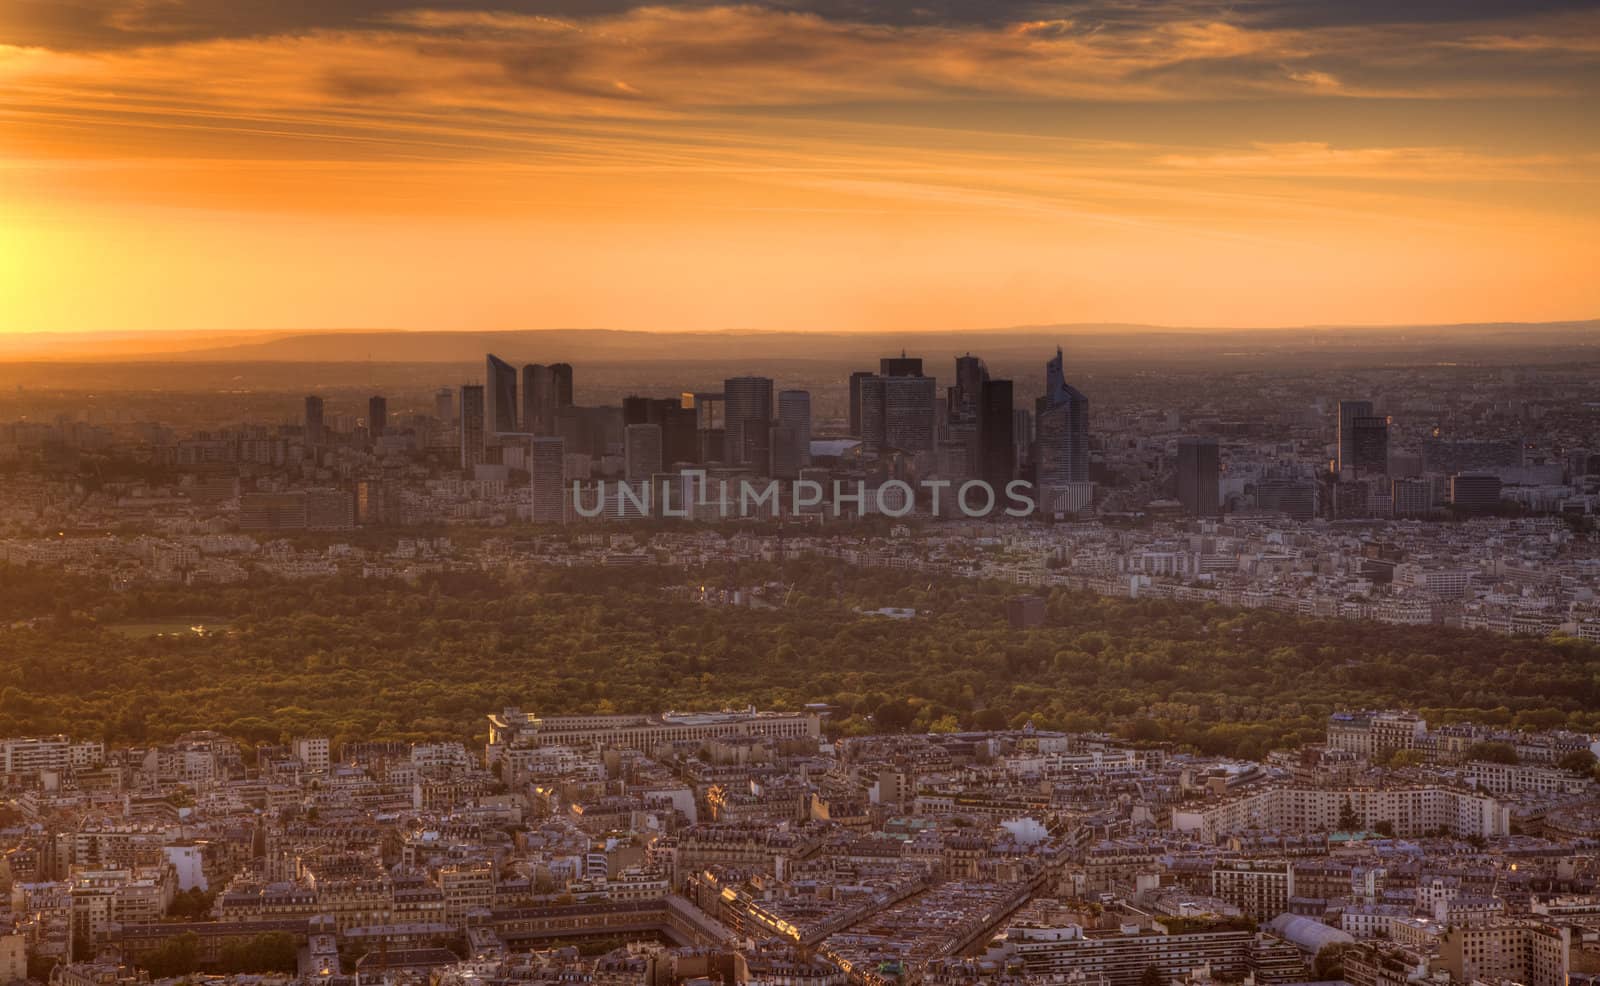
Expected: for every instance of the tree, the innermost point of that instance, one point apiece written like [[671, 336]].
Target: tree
[[1329, 963], [1493, 753], [1152, 976], [1349, 821], [1578, 762]]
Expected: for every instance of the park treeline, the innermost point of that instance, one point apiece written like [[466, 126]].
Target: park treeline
[[360, 659]]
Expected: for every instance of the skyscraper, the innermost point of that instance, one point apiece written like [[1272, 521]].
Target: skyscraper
[[963, 400], [794, 411], [500, 395], [898, 407], [444, 404], [1062, 423], [547, 456], [314, 431], [377, 416], [641, 452], [561, 373], [855, 401], [679, 438], [472, 432], [1345, 434], [997, 454], [709, 421], [900, 366], [1369, 445], [872, 411], [538, 399], [748, 409], [910, 407], [1199, 470]]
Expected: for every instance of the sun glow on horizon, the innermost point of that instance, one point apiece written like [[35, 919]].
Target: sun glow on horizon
[[708, 167]]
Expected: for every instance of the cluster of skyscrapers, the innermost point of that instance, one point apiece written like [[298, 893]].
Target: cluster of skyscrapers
[[899, 420]]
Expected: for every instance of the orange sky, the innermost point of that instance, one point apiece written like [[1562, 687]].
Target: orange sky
[[180, 164]]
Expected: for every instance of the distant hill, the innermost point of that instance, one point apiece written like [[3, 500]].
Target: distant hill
[[1086, 341]]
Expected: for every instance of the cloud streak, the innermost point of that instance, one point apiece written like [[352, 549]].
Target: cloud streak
[[1043, 129]]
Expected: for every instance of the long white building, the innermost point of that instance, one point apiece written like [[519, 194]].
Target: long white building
[[1412, 811]]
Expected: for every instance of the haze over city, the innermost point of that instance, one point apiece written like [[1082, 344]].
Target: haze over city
[[799, 493]]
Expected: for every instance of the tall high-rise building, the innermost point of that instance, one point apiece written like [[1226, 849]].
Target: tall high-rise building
[[872, 411], [900, 366], [500, 396], [641, 452], [1293, 496], [1369, 446], [377, 416], [444, 404], [898, 407], [997, 451], [709, 421], [747, 403], [910, 412], [1412, 497], [538, 399], [1062, 423], [794, 412], [1475, 491], [963, 398], [1199, 471], [1345, 434], [472, 430], [855, 401], [547, 456], [314, 429], [561, 373], [679, 436]]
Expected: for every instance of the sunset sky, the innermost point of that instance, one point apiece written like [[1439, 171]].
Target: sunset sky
[[837, 164]]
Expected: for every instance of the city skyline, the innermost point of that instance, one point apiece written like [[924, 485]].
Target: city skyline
[[807, 167]]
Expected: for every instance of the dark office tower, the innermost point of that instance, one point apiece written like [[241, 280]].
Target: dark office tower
[[680, 440], [785, 445], [561, 373], [641, 452], [855, 401], [637, 411], [900, 366], [1475, 491], [538, 399], [910, 413], [747, 404], [1349, 411], [898, 407], [472, 433], [794, 411], [444, 404], [970, 375], [1199, 470], [1370, 446], [1295, 498], [709, 420], [546, 471], [1022, 438], [377, 417], [997, 450], [709, 409], [500, 395], [314, 432], [1062, 451], [872, 412]]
